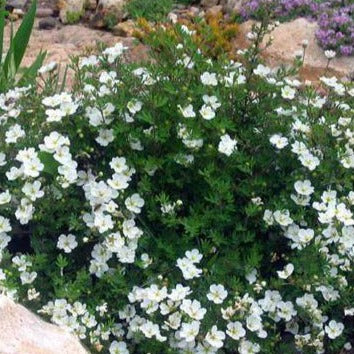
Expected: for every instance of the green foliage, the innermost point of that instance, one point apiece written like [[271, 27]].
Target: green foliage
[[181, 170], [73, 17], [10, 63], [152, 10]]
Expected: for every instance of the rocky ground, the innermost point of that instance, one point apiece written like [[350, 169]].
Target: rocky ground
[[62, 40]]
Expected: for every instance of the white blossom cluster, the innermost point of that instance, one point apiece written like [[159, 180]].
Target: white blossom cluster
[[179, 314]]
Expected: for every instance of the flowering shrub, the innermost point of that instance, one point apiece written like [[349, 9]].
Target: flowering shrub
[[182, 205], [335, 18]]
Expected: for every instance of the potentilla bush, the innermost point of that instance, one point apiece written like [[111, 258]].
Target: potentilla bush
[[183, 204]]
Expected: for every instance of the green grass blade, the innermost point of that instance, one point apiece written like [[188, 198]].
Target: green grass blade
[[30, 73], [2, 26], [20, 41]]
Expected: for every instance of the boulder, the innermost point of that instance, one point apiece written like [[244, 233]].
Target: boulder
[[23, 332], [47, 23], [70, 11], [209, 3], [124, 29], [15, 4], [287, 39], [232, 6], [107, 9], [214, 11], [44, 12]]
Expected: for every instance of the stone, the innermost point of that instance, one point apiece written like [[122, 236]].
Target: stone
[[233, 6], [23, 332], [70, 11], [47, 23], [287, 39], [209, 3], [108, 9], [214, 11], [15, 4], [113, 7], [44, 12], [91, 4], [125, 29]]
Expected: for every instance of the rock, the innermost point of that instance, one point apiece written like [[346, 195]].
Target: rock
[[214, 11], [91, 4], [15, 4], [287, 39], [209, 3], [18, 12], [233, 6], [44, 12], [23, 332], [124, 29], [70, 11], [47, 23], [112, 7]]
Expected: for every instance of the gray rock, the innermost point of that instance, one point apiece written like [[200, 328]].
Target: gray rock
[[47, 23], [15, 4], [44, 12], [209, 3], [71, 9]]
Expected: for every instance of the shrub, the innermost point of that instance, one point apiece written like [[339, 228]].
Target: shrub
[[152, 10], [213, 34], [184, 204]]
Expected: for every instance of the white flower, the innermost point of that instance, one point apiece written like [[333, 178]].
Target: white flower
[[193, 309], [134, 106], [5, 197], [209, 79], [254, 323], [134, 203], [194, 255], [118, 348], [330, 54], [187, 111], [114, 52], [310, 161], [306, 235], [4, 225], [33, 190], [278, 141], [47, 68], [283, 217], [67, 243], [211, 101], [334, 329], [207, 112], [288, 92], [288, 270], [189, 331], [215, 337], [235, 330], [227, 145], [28, 278], [54, 115], [105, 137], [304, 187], [217, 293], [262, 70]]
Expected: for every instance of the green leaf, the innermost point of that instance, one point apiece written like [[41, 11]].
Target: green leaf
[[50, 164], [20, 41], [2, 26], [30, 73]]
